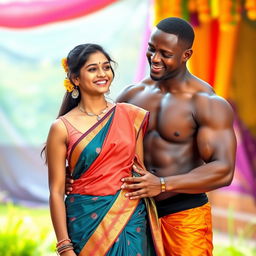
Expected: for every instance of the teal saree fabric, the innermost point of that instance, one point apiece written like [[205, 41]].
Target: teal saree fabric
[[84, 213]]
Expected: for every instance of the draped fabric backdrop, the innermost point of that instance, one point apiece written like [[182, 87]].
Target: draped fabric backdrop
[[35, 36]]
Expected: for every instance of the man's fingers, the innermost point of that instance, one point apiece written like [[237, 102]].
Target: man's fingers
[[136, 194], [131, 186], [139, 170], [69, 180], [131, 179], [68, 189]]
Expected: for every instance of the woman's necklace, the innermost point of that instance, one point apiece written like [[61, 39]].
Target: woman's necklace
[[92, 114]]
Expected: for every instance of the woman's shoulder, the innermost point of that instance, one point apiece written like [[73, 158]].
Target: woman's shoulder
[[58, 125], [57, 131]]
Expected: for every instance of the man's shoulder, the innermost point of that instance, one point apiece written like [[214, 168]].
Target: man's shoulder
[[209, 105], [131, 90], [214, 109], [204, 92], [202, 87]]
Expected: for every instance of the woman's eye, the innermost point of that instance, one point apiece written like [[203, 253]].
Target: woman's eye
[[107, 68], [92, 69]]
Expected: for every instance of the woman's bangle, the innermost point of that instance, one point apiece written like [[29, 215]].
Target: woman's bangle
[[163, 184], [63, 248], [62, 241]]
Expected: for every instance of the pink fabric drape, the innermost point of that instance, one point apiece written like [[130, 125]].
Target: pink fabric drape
[[31, 14]]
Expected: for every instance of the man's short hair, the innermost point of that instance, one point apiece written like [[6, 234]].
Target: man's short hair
[[179, 27]]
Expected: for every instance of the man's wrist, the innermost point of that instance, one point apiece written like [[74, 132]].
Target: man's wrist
[[163, 184]]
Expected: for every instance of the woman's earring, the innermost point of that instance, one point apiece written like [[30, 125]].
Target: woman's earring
[[75, 93]]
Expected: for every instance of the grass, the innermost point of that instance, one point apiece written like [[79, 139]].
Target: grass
[[25, 232]]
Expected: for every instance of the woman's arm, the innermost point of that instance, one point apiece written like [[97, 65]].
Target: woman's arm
[[56, 157]]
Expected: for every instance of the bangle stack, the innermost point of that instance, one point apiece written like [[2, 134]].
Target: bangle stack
[[61, 246], [163, 184]]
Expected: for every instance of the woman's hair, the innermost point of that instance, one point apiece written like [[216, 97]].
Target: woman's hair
[[76, 59]]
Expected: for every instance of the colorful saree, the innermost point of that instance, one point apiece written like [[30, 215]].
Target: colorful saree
[[100, 219]]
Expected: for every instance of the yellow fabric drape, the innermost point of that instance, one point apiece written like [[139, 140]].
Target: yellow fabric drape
[[243, 89], [164, 9], [225, 58], [200, 61]]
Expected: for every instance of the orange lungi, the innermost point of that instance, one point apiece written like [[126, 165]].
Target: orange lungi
[[188, 233]]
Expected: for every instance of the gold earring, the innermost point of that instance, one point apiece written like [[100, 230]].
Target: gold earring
[[75, 92]]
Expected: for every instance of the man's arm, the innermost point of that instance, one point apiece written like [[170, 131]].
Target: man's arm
[[217, 147], [216, 143]]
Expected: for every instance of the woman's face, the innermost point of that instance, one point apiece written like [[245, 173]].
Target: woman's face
[[96, 75]]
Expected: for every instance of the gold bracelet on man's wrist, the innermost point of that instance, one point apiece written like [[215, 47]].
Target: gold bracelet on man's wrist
[[163, 184]]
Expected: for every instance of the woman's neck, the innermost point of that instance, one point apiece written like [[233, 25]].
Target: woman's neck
[[93, 104]]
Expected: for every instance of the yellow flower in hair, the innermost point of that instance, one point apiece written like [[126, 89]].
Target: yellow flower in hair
[[64, 63], [67, 84]]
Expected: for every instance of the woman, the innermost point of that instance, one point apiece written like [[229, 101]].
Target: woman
[[101, 141]]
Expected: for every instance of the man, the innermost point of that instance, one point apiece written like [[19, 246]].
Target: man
[[190, 143]]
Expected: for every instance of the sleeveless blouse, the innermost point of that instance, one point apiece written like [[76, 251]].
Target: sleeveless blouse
[[73, 134]]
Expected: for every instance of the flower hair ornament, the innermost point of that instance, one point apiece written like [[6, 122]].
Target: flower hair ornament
[[67, 84]]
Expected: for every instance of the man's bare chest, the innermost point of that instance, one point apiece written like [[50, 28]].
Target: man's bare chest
[[171, 116]]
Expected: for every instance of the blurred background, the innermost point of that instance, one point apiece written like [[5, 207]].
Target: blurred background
[[36, 34]]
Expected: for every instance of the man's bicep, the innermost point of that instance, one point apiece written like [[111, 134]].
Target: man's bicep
[[216, 137], [216, 145]]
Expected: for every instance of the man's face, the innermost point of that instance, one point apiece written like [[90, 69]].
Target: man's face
[[165, 55]]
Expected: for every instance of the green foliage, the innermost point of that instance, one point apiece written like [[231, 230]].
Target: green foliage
[[20, 235], [234, 251], [241, 244]]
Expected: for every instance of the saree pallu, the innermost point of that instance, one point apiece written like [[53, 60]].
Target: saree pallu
[[100, 219]]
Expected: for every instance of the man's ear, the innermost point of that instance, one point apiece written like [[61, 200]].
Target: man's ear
[[187, 54]]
